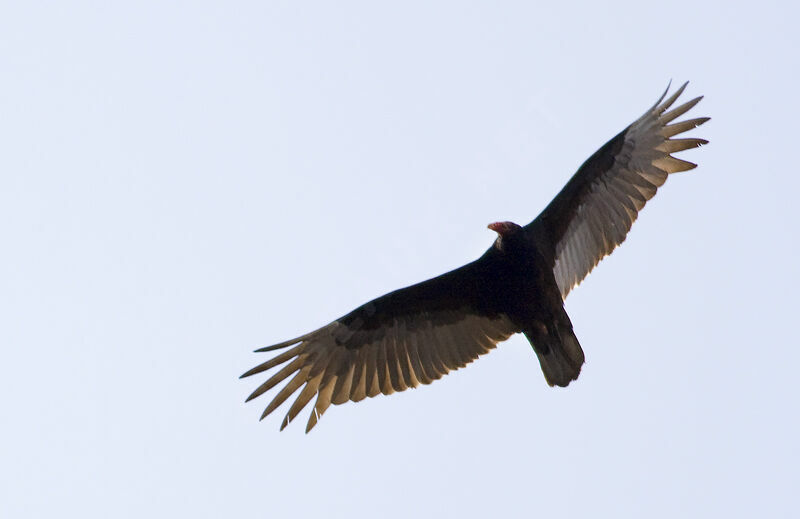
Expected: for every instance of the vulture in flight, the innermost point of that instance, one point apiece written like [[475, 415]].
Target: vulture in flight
[[417, 334]]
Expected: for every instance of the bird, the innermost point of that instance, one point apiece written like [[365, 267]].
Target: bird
[[417, 334]]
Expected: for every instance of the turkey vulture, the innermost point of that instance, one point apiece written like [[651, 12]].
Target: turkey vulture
[[415, 335]]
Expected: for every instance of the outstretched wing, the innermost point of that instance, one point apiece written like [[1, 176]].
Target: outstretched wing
[[593, 213], [406, 338]]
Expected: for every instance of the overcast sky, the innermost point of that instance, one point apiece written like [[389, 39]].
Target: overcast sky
[[184, 182]]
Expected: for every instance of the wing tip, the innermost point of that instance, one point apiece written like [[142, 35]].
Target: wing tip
[[660, 107], [250, 372], [312, 420], [666, 90], [278, 346]]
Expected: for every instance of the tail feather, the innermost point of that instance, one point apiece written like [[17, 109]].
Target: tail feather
[[559, 352]]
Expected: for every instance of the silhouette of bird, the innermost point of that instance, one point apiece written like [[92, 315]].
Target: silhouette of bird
[[417, 334]]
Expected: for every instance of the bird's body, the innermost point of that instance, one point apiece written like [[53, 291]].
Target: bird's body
[[417, 334]]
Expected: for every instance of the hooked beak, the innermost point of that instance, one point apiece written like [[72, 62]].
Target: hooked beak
[[502, 228]]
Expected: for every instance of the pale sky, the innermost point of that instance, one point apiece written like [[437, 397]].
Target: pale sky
[[185, 182]]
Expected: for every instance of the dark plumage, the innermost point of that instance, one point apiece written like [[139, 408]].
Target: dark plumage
[[417, 334]]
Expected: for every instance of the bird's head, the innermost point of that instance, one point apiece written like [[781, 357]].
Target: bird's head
[[506, 234]]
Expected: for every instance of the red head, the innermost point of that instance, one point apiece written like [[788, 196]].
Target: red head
[[504, 228], [505, 231]]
